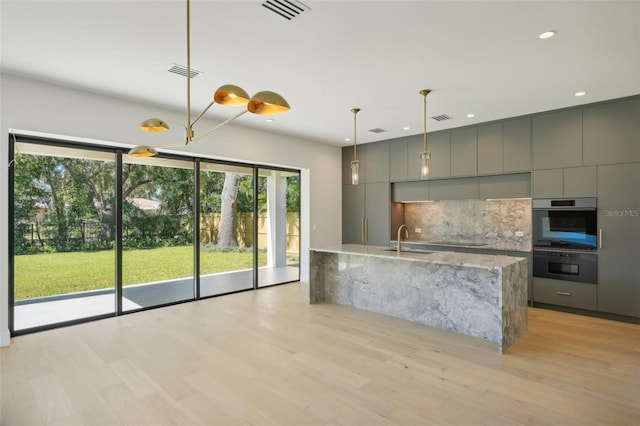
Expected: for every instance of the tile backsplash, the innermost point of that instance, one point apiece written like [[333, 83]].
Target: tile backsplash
[[480, 221]]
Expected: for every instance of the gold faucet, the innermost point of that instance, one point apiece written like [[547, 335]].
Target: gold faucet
[[406, 231]]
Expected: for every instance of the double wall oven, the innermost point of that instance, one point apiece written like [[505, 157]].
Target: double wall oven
[[565, 239]]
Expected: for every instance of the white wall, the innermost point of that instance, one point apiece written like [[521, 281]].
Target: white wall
[[38, 107]]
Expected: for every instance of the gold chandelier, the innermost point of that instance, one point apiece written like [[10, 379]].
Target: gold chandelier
[[262, 103]]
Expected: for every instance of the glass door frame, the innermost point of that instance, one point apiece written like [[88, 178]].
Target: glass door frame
[[118, 211]]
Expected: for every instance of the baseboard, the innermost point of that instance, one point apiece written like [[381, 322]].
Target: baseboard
[[5, 338]]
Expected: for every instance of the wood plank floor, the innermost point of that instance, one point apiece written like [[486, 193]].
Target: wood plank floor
[[269, 358]]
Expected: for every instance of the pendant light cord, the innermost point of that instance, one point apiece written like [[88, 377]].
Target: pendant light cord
[[355, 149]]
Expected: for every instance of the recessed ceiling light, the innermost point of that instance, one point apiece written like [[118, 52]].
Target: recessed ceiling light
[[269, 120], [406, 128], [470, 115], [579, 93], [347, 139], [547, 34]]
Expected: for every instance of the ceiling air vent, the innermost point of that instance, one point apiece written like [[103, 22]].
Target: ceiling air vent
[[288, 9], [441, 117], [377, 130], [182, 70]]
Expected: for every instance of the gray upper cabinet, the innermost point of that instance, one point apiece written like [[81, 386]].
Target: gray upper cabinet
[[547, 183], [517, 185], [439, 144], [619, 253], [376, 157], [612, 132], [516, 145], [410, 191], [374, 162], [568, 182], [580, 182], [557, 139], [453, 189], [464, 152], [490, 149], [398, 160]]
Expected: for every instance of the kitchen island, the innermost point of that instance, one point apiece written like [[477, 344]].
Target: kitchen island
[[475, 294]]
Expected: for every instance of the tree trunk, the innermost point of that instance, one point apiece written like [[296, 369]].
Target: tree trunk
[[226, 234]]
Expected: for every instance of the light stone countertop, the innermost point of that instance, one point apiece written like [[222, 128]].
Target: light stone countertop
[[486, 261], [488, 246]]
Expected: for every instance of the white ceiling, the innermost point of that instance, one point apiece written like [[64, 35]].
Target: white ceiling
[[477, 57]]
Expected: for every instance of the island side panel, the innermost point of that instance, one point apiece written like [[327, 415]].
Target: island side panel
[[514, 302], [458, 298]]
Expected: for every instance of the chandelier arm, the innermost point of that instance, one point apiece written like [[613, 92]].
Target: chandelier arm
[[202, 113], [221, 124]]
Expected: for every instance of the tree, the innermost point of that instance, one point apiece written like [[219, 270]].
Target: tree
[[226, 234]]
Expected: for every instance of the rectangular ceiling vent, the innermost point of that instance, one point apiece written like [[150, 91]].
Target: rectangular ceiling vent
[[377, 130], [288, 9], [182, 70], [441, 117]]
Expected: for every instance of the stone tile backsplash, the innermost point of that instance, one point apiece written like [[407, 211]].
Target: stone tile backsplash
[[492, 222]]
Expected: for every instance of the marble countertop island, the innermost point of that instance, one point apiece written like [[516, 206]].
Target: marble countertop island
[[476, 294]]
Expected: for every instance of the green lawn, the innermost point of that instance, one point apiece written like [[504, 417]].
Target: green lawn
[[39, 275]]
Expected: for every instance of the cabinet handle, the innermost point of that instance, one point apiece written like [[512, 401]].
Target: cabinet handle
[[366, 229], [600, 238], [362, 229], [563, 293]]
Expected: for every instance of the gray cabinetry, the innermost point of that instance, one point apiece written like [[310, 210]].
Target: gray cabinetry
[[464, 152], [547, 183], [557, 139], [568, 182], [490, 149], [366, 214], [516, 145], [353, 214], [453, 189], [517, 185], [374, 162], [439, 144], [580, 182], [565, 293], [619, 252], [410, 191], [415, 145], [612, 132], [398, 160]]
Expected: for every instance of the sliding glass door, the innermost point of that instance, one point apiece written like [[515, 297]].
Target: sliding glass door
[[98, 233], [278, 226], [157, 232], [63, 235], [226, 228]]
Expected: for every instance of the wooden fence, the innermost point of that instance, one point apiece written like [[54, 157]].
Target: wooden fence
[[210, 223]]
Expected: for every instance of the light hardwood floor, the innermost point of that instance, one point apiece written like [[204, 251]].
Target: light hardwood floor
[[269, 358]]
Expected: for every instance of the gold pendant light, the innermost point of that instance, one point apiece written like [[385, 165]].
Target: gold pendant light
[[355, 164], [262, 103], [425, 155]]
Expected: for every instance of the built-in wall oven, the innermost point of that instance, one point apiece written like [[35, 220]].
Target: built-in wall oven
[[565, 239]]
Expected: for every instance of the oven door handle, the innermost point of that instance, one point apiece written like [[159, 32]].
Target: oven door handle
[[600, 238]]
